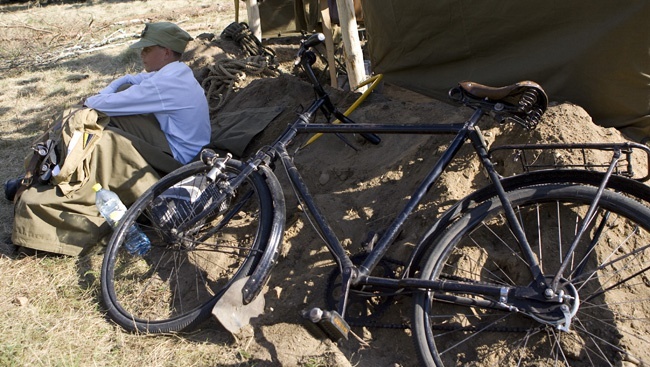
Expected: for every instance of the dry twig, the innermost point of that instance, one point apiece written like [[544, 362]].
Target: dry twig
[[26, 27]]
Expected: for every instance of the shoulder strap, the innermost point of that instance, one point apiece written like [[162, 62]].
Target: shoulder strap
[[81, 132]]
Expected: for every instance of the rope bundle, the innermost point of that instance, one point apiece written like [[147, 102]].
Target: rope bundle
[[226, 75], [241, 33]]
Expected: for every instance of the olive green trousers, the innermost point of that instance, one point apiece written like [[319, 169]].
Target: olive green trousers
[[130, 156]]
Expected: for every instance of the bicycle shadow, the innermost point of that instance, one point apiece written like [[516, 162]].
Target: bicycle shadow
[[298, 285]]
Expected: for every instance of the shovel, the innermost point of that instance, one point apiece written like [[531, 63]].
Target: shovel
[[230, 310]]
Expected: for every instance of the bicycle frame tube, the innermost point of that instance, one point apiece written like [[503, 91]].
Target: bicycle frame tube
[[511, 216], [360, 275], [302, 125], [462, 132], [393, 230]]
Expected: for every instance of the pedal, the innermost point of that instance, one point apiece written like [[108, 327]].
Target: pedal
[[329, 322]]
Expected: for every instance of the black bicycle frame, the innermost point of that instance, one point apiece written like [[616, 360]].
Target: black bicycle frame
[[360, 275], [353, 275]]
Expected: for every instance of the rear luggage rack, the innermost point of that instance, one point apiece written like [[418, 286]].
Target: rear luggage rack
[[577, 155]]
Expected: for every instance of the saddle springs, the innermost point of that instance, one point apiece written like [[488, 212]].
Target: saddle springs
[[523, 102]]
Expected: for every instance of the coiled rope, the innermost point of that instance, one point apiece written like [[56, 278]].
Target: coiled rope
[[226, 75], [241, 33]]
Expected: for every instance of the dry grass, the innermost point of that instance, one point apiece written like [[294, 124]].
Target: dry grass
[[50, 308], [52, 317]]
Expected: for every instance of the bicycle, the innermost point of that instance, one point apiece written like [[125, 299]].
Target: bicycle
[[525, 270]]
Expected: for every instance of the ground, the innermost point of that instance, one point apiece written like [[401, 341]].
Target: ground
[[54, 314]]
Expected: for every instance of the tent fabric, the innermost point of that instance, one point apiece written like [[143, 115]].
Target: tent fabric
[[288, 16], [591, 53]]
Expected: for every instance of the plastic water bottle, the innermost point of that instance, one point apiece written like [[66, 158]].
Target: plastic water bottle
[[112, 209]]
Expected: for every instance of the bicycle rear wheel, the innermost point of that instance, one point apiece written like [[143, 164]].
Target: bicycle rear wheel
[[608, 277], [175, 285]]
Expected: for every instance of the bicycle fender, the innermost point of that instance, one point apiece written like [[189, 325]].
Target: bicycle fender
[[262, 272], [637, 189]]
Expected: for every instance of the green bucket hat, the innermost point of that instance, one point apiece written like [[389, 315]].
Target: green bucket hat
[[163, 34]]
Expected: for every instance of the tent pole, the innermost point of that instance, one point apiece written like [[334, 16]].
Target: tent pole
[[254, 23], [329, 41], [353, 53]]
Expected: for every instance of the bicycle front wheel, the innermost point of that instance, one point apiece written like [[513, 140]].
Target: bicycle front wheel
[[175, 285], [607, 280]]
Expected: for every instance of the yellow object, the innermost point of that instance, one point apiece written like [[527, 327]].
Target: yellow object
[[375, 80]]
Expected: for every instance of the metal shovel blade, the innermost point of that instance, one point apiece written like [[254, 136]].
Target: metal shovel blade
[[230, 310]]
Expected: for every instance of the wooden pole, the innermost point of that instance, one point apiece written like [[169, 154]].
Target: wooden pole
[[351, 43], [254, 23], [329, 41]]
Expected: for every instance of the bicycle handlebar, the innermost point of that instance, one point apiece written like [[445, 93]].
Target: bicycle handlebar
[[306, 58], [313, 40]]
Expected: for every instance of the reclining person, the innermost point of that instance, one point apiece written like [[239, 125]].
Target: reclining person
[[154, 122]]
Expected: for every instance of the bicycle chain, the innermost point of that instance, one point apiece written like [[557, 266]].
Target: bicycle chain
[[475, 328], [378, 325], [371, 321]]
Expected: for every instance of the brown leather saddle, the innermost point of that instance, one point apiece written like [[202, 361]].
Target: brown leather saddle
[[523, 102]]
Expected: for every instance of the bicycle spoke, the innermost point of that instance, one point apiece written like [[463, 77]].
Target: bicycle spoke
[[608, 274], [596, 341], [472, 335], [200, 242]]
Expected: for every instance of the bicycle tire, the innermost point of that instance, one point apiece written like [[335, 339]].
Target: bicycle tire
[[612, 322], [176, 284]]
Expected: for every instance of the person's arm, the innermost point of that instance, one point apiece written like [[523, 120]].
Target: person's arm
[[143, 97], [126, 79]]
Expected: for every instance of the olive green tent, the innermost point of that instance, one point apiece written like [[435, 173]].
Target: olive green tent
[[594, 53], [280, 17]]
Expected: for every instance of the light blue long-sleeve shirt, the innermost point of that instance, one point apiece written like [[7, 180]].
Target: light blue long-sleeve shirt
[[173, 95]]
